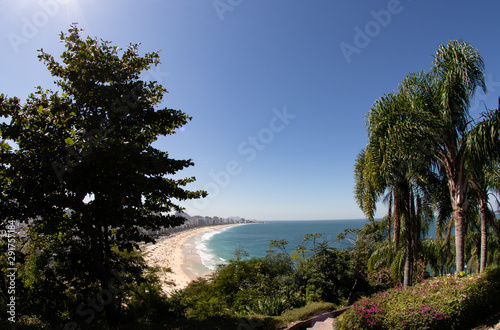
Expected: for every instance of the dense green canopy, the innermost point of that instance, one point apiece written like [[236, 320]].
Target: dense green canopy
[[83, 168]]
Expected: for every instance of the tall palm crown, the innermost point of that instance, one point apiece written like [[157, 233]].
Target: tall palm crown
[[425, 130], [458, 69]]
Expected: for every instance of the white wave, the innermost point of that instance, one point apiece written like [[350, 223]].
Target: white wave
[[208, 257]]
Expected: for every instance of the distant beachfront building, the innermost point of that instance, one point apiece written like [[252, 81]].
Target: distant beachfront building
[[196, 221], [191, 222]]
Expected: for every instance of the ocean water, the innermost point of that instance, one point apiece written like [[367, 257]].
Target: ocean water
[[218, 246]]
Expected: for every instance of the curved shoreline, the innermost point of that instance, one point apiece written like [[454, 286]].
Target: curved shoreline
[[180, 255]]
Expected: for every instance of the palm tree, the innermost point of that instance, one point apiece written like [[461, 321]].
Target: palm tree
[[458, 70], [479, 183], [483, 148], [388, 199], [449, 138], [425, 126], [391, 161], [366, 190], [492, 174]]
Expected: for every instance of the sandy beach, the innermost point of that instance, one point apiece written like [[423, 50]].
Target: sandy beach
[[178, 253]]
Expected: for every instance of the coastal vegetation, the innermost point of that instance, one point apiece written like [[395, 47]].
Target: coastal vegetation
[[432, 162], [443, 302], [78, 166], [274, 284], [429, 155]]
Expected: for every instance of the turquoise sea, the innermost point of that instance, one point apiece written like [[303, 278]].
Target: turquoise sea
[[218, 246]]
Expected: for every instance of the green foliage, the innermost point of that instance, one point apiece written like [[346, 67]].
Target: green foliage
[[272, 285], [85, 176], [146, 303], [445, 302], [44, 296], [229, 290], [272, 306], [367, 241], [425, 150], [328, 276]]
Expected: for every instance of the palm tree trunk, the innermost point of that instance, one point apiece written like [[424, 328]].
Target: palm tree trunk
[[397, 219], [483, 206], [417, 217], [418, 222], [414, 232], [457, 184], [389, 220], [407, 280], [477, 253], [459, 219]]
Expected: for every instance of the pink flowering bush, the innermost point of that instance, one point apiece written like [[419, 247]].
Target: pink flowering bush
[[445, 302], [369, 313]]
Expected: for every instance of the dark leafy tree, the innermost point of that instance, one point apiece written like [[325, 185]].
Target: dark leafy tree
[[83, 165]]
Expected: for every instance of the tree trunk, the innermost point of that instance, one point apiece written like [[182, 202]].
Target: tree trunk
[[483, 206], [459, 218], [418, 222], [477, 253], [417, 218], [389, 220], [414, 233], [457, 184], [104, 276], [397, 219], [407, 280]]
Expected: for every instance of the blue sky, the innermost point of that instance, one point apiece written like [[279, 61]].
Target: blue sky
[[278, 90]]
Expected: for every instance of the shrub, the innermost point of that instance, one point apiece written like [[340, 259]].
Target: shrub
[[446, 302], [199, 301], [146, 303], [271, 285], [270, 306]]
